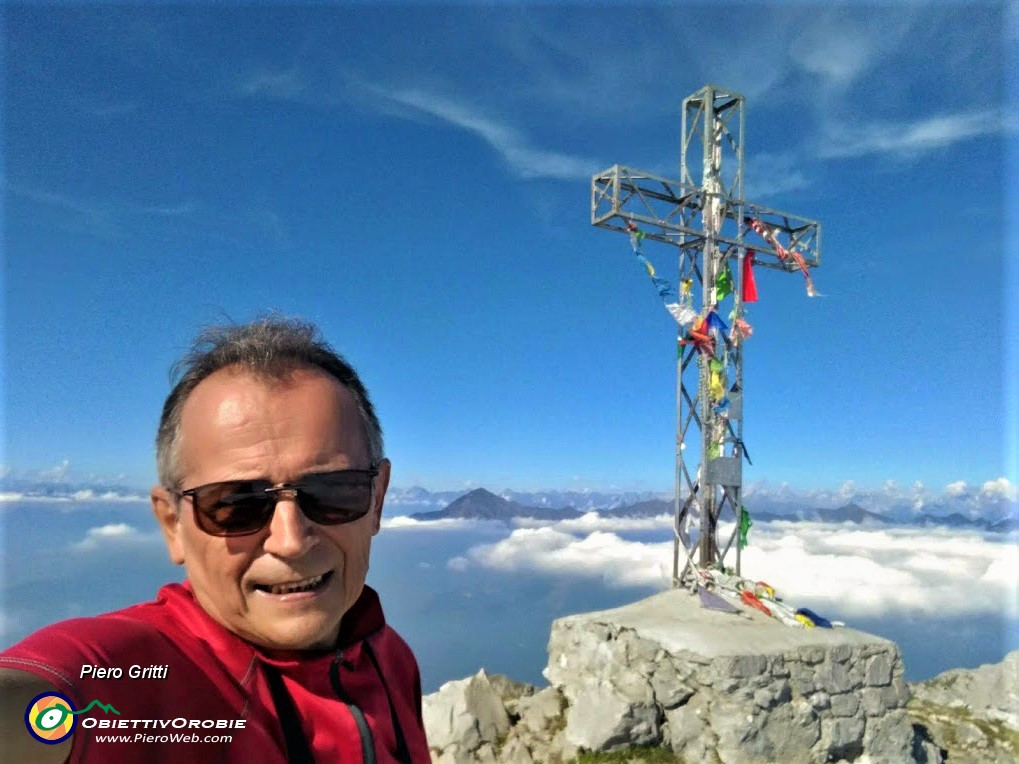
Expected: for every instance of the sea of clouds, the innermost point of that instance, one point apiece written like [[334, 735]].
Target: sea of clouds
[[853, 570]]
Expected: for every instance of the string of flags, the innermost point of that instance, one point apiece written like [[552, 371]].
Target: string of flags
[[757, 595], [703, 332], [707, 333], [769, 235]]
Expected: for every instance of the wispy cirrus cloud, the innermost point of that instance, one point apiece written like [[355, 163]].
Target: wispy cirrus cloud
[[840, 44], [909, 140], [90, 216], [103, 218], [770, 174], [286, 84], [117, 219], [523, 159]]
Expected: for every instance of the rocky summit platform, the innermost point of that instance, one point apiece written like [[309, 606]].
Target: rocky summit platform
[[676, 620], [668, 673], [729, 687]]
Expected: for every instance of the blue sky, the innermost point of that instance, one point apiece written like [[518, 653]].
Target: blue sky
[[416, 180]]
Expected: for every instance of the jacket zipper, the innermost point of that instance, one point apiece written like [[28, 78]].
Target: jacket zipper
[[367, 743]]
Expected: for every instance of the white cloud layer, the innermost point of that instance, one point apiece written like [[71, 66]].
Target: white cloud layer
[[843, 569], [83, 495], [118, 535], [598, 555], [57, 473], [88, 494], [406, 522], [592, 522], [1000, 487]]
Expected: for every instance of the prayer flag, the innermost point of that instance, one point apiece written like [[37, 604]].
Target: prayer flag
[[723, 284], [683, 314], [740, 331], [715, 323], [749, 285], [744, 526]]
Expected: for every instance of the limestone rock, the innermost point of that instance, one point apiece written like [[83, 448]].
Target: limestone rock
[[465, 715], [886, 737], [516, 751], [990, 691], [971, 715], [601, 717], [537, 712]]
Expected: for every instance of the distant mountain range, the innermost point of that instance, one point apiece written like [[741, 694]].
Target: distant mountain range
[[481, 504], [991, 506], [421, 499]]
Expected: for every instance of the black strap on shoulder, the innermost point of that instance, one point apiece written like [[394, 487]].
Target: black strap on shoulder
[[402, 754], [298, 751]]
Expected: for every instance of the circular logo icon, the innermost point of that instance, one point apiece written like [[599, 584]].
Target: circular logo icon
[[49, 718]]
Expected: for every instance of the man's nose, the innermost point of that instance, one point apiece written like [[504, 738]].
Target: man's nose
[[291, 533]]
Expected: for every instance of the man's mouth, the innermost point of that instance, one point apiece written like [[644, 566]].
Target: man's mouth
[[294, 587]]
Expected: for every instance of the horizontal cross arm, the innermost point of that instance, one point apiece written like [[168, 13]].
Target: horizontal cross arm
[[672, 212]]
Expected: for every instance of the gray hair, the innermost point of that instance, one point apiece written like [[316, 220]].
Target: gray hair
[[270, 348]]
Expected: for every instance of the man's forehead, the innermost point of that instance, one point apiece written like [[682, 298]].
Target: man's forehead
[[235, 383], [232, 398], [238, 421]]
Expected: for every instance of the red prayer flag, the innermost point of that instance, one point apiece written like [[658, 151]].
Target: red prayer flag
[[749, 285]]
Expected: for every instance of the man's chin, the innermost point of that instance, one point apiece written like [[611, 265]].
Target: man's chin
[[295, 622], [296, 637]]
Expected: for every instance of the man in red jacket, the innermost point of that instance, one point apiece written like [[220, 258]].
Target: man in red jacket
[[272, 480]]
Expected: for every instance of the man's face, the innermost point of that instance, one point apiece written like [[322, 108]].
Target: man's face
[[237, 427]]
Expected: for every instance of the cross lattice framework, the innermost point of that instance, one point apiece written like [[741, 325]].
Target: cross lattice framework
[[706, 217]]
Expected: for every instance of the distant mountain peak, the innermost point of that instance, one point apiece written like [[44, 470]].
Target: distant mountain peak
[[482, 504], [481, 492]]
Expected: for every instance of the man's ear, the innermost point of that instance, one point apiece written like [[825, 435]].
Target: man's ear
[[381, 486], [166, 511]]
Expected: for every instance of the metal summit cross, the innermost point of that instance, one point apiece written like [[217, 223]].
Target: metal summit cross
[[705, 215]]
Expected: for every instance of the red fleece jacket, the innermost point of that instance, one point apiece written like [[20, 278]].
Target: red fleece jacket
[[368, 684]]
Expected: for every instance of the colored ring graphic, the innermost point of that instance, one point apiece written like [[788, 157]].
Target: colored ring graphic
[[50, 718]]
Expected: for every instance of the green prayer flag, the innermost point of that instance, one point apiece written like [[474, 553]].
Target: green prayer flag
[[744, 526], [723, 284]]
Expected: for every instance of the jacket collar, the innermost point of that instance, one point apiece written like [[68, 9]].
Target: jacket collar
[[364, 618]]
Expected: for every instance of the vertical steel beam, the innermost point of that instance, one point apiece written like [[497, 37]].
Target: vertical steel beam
[[715, 115]]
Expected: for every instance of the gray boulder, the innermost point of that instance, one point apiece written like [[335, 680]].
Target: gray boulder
[[464, 717]]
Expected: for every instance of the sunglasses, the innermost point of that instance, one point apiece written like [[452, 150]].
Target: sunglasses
[[243, 507]]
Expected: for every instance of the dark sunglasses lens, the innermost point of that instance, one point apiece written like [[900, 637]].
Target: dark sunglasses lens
[[335, 499], [233, 509]]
